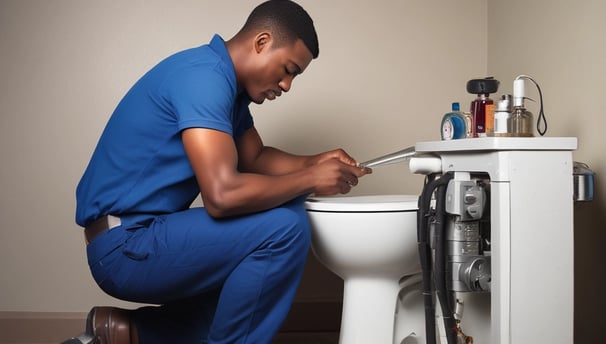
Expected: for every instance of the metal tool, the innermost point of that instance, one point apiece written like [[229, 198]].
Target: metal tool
[[392, 158]]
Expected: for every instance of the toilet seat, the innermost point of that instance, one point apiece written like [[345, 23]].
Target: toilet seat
[[363, 204]]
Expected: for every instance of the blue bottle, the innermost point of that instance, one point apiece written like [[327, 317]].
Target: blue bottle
[[455, 124]]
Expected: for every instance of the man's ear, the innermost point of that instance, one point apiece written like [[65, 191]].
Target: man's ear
[[263, 41]]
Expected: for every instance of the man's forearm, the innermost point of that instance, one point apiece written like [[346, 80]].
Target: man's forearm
[[273, 161]]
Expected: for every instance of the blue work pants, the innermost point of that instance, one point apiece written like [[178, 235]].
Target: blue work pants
[[216, 280]]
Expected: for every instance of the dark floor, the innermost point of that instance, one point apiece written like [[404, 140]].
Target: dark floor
[[307, 338], [283, 338]]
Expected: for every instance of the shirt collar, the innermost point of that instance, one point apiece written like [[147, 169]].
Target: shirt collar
[[217, 44]]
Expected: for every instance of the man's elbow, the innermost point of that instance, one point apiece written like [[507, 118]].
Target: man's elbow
[[216, 206]]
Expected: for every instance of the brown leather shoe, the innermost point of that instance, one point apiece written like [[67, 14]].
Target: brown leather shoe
[[111, 325]]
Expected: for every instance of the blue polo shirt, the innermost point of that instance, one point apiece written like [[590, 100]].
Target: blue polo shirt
[[139, 165]]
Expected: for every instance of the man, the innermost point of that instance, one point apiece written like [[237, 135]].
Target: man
[[228, 272]]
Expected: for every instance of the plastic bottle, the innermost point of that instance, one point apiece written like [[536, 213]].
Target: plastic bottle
[[502, 117], [489, 109]]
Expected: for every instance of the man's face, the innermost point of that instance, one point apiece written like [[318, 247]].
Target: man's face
[[275, 68]]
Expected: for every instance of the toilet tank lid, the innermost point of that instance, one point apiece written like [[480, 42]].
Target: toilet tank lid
[[370, 203]]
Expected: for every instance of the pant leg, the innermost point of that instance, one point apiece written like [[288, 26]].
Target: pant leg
[[183, 321], [254, 261]]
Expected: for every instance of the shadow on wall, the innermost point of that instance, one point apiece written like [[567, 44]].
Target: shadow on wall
[[590, 269]]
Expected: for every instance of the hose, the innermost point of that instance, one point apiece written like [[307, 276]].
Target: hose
[[425, 256], [444, 296]]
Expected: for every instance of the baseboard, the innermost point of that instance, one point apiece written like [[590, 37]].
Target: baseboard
[[40, 327], [55, 327]]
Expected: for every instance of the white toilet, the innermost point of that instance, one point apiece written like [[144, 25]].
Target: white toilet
[[371, 243]]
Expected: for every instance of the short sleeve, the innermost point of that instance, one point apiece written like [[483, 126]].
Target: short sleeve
[[202, 97]]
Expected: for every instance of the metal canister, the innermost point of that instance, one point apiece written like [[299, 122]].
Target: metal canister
[[583, 182]]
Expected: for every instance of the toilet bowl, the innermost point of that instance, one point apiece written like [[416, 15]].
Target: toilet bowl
[[371, 243]]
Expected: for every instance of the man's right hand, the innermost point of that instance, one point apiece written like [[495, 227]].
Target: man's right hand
[[333, 176]]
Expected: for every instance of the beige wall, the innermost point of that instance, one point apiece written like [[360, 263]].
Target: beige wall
[[387, 72], [385, 75], [561, 44]]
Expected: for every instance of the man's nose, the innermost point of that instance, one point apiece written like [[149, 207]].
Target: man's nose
[[286, 83]]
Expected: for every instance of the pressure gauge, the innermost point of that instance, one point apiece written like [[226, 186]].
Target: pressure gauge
[[447, 129], [454, 126]]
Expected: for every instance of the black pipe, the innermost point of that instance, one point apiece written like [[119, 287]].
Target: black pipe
[[442, 292], [425, 257]]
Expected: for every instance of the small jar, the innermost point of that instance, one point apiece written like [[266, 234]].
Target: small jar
[[521, 122]]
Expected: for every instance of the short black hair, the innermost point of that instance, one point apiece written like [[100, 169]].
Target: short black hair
[[287, 20]]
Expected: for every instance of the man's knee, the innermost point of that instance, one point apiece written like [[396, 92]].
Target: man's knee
[[293, 228]]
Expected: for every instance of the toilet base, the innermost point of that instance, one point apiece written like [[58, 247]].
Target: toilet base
[[410, 316], [369, 306]]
